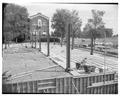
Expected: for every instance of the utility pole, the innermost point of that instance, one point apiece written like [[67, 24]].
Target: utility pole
[[68, 30], [40, 39], [35, 38], [48, 41], [39, 26], [72, 39], [91, 52], [32, 40]]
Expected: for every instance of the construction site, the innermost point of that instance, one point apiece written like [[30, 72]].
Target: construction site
[[37, 67]]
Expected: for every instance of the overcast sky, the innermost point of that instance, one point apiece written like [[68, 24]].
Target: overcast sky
[[110, 17]]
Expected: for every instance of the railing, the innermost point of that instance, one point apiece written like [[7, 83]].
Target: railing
[[87, 84]]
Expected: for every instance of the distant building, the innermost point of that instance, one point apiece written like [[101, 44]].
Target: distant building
[[39, 20]]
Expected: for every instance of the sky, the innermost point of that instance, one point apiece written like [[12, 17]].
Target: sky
[[110, 17]]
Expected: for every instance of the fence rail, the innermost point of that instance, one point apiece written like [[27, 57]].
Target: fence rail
[[94, 84]]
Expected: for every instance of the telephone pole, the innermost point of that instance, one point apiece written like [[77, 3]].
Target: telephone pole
[[68, 30], [40, 30], [48, 41]]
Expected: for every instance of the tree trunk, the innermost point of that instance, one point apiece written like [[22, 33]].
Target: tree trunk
[[40, 39], [94, 44], [5, 45], [54, 40], [35, 39], [5, 42], [32, 40], [91, 53], [61, 40], [72, 40], [8, 43], [48, 41], [16, 40]]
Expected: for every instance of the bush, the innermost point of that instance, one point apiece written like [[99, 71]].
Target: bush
[[115, 46], [52, 39], [113, 53]]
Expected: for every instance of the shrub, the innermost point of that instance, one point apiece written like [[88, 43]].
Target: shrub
[[52, 39]]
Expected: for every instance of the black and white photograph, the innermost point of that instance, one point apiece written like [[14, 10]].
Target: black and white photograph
[[59, 48]]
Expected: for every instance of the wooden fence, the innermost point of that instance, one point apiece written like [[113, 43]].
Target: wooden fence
[[91, 84]]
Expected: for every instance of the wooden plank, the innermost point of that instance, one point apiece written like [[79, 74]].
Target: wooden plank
[[85, 85], [14, 88], [98, 90], [73, 89], [18, 88], [90, 80], [88, 84], [112, 77], [23, 87], [80, 86], [103, 91], [31, 86], [116, 88], [61, 86], [109, 91], [4, 89], [70, 86], [109, 77], [52, 91], [95, 90], [48, 90], [99, 78], [77, 84], [35, 86], [92, 90], [74, 85], [28, 87], [74, 73], [65, 85], [102, 83], [106, 89], [9, 88], [113, 88], [95, 79], [57, 85], [49, 87]]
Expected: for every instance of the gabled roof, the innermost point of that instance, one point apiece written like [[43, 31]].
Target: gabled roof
[[39, 14]]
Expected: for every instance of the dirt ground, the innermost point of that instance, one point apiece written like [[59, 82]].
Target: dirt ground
[[20, 61]]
